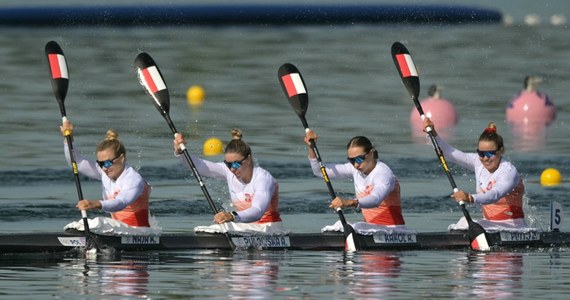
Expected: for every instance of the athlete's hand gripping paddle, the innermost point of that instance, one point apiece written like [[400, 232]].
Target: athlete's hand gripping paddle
[[410, 78], [153, 83], [296, 92], [59, 83]]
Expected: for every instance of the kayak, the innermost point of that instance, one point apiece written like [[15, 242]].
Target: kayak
[[71, 240]]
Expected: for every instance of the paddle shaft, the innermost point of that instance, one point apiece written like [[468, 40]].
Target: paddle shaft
[[439, 154], [324, 172], [195, 171], [296, 92], [69, 142], [436, 147], [408, 73], [191, 163], [60, 82]]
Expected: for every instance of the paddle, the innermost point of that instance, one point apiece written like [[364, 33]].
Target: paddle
[[296, 92], [59, 83], [410, 78], [153, 83]]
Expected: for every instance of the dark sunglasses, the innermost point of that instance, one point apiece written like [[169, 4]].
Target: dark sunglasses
[[108, 163], [487, 154], [234, 164], [358, 159]]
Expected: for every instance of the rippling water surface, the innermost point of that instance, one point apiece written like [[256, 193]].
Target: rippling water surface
[[354, 90], [295, 274]]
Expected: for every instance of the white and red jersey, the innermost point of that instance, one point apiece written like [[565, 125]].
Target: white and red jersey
[[127, 198], [378, 193], [500, 193], [256, 201]]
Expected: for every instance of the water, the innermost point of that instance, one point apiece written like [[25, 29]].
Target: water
[[286, 275], [354, 89]]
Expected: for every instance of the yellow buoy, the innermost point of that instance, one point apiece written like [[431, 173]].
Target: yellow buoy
[[550, 177], [213, 146], [195, 95]]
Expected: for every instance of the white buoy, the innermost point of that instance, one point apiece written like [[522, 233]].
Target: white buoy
[[532, 20], [558, 20], [508, 20]]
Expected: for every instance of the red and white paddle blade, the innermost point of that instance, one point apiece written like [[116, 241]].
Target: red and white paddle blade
[[58, 70], [152, 81], [349, 243], [480, 243], [294, 88], [406, 68]]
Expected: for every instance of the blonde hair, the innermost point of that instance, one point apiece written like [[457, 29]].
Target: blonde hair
[[236, 134], [237, 145], [112, 142]]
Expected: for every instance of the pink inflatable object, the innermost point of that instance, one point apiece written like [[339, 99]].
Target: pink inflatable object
[[439, 110], [531, 107]]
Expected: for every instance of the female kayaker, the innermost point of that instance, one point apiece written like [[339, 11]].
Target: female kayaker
[[499, 187], [254, 192], [125, 192], [377, 188]]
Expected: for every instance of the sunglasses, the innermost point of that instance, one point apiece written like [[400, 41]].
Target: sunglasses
[[487, 154], [358, 159], [108, 163], [234, 164]]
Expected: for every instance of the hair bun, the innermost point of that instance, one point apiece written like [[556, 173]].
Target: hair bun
[[111, 135], [236, 134], [491, 128]]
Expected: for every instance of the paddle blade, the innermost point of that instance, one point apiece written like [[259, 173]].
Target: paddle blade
[[407, 69], [294, 87], [58, 71], [478, 237], [153, 83], [350, 242]]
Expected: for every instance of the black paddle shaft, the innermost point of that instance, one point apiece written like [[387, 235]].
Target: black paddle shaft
[[438, 151], [154, 85], [296, 92], [69, 140], [60, 82], [325, 175], [322, 167], [443, 162], [408, 73], [193, 167]]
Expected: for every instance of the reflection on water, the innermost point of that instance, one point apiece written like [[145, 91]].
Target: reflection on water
[[364, 275], [288, 275], [374, 273], [528, 137], [127, 278], [495, 275], [251, 278], [125, 275]]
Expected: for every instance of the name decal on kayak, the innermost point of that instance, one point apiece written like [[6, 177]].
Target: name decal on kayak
[[140, 240], [395, 238], [72, 241], [520, 236], [262, 241]]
